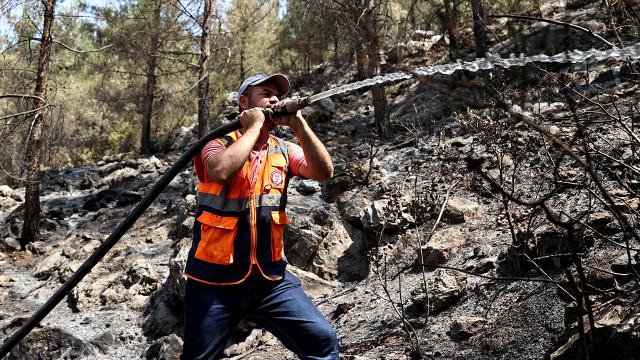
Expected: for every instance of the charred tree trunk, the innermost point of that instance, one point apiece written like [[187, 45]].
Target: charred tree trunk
[[243, 75], [381, 111], [147, 105], [412, 14], [361, 71], [365, 43], [374, 68], [336, 55], [450, 22], [307, 58], [203, 73], [30, 228], [477, 10]]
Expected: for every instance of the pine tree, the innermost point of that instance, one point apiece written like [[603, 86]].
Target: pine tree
[[253, 25]]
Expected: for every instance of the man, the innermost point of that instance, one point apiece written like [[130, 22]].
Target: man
[[236, 266]]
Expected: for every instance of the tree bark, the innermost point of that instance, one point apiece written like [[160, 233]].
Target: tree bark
[[30, 228], [336, 57], [242, 55], [361, 68], [451, 24], [203, 74], [411, 14], [381, 111], [147, 105], [479, 33], [374, 68]]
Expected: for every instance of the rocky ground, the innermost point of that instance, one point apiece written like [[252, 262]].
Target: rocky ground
[[497, 284]]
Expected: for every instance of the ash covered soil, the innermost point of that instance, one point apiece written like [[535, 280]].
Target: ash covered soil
[[409, 251]]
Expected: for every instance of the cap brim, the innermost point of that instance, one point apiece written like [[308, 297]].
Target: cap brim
[[281, 82]]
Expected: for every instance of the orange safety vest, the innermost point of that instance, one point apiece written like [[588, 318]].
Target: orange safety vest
[[239, 230]]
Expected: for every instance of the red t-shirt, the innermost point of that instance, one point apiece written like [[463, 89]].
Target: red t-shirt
[[256, 158]]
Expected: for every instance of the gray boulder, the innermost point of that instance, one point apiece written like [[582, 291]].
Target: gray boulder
[[104, 341], [237, 351], [162, 320], [323, 111], [150, 165], [460, 210], [166, 348], [443, 243], [604, 222], [352, 205], [164, 315], [50, 344], [615, 336], [7, 202], [308, 187], [386, 215], [142, 276], [160, 233], [312, 284], [444, 289], [6, 191], [9, 244], [464, 327], [301, 244], [177, 264], [49, 264], [341, 253], [119, 176], [185, 218]]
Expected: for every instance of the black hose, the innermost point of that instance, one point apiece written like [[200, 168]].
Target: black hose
[[122, 228]]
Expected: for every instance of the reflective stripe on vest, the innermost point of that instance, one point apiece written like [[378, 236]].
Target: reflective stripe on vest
[[223, 204]]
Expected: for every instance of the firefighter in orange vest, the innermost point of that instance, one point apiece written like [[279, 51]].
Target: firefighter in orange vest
[[236, 268]]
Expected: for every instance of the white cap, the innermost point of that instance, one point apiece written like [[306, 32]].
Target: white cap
[[279, 80]]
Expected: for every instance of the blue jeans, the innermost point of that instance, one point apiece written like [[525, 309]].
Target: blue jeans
[[281, 307]]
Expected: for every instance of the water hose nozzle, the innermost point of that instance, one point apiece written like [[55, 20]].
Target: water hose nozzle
[[296, 104]]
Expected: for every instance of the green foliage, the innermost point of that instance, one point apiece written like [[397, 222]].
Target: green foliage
[[308, 31], [252, 25]]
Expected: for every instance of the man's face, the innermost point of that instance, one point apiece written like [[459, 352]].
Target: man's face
[[263, 95]]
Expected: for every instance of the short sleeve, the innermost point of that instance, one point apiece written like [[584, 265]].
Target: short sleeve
[[212, 148], [296, 158]]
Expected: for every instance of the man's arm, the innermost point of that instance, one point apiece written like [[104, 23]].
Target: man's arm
[[222, 166], [317, 162]]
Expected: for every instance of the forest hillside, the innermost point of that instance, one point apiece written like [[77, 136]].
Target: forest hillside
[[487, 214]]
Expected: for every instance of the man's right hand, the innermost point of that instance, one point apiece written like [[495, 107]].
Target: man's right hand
[[252, 118]]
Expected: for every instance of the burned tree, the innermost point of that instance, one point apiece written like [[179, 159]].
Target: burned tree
[[30, 229], [477, 10], [203, 72], [367, 43], [150, 88]]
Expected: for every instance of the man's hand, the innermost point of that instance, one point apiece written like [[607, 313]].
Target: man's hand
[[222, 166], [317, 162], [294, 121], [252, 118]]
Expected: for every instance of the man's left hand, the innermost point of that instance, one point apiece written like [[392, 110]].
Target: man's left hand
[[294, 121]]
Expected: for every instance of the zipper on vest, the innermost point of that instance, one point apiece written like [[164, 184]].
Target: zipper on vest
[[253, 227]]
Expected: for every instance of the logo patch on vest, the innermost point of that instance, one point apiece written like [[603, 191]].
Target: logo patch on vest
[[277, 178]]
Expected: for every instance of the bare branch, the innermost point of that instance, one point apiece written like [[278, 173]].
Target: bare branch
[[22, 96], [82, 51], [24, 112]]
